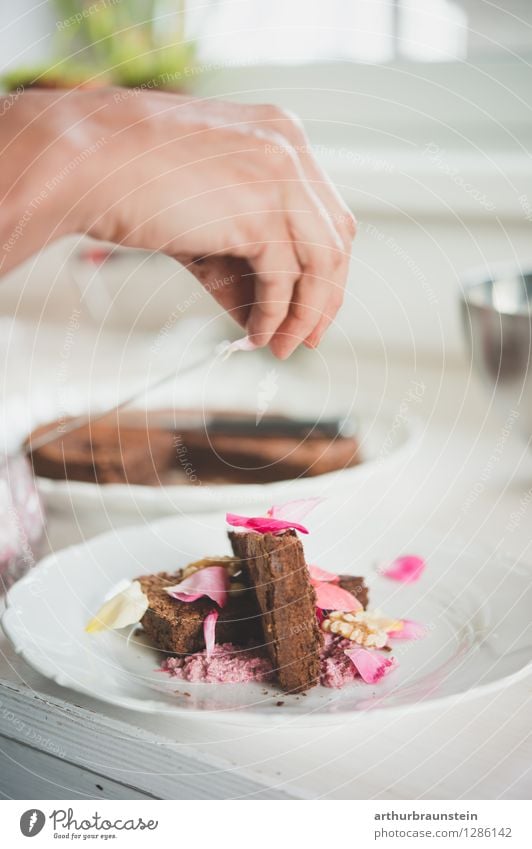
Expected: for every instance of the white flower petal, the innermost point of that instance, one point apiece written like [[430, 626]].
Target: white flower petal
[[125, 608]]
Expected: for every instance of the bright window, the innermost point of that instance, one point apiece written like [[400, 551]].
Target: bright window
[[300, 31]]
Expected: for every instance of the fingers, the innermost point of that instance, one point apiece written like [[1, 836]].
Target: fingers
[[338, 215], [292, 285], [291, 128], [315, 303], [322, 258], [230, 280], [345, 222], [258, 292], [342, 218], [306, 310], [326, 319], [277, 272]]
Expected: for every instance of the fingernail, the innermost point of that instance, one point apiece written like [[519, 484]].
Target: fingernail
[[281, 351]]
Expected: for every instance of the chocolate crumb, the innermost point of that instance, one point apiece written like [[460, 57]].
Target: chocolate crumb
[[279, 704]]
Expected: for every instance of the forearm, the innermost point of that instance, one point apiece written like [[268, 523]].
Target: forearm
[[39, 154], [72, 162]]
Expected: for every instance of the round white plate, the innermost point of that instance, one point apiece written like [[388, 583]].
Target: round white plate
[[475, 605], [386, 437], [383, 439]]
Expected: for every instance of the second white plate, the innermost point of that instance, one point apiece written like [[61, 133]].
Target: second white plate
[[384, 439]]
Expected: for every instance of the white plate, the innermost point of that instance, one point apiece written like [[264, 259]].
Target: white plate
[[476, 606]]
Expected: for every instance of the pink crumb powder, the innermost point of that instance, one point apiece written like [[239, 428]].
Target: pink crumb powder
[[336, 668], [226, 664], [230, 664]]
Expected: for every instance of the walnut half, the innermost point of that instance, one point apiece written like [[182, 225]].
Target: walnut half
[[365, 628]]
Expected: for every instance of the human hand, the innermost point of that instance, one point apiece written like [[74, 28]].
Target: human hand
[[209, 183]]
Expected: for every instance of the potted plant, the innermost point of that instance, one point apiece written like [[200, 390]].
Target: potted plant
[[108, 42]]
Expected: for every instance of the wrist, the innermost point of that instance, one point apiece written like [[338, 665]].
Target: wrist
[[55, 154]]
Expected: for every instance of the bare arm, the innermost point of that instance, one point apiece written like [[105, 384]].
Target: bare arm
[[192, 178]]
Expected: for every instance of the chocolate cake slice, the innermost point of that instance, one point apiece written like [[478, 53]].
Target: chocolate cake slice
[[357, 587], [177, 626], [275, 566]]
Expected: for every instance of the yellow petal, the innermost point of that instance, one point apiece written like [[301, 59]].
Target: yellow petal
[[126, 608]]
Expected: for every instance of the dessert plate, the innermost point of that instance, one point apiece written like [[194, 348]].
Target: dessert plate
[[475, 606]]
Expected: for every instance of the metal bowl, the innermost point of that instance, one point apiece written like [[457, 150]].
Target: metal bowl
[[497, 317]]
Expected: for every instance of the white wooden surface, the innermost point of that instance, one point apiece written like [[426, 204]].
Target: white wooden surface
[[51, 748], [473, 749]]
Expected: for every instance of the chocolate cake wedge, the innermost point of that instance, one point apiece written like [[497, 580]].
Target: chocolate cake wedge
[[356, 586], [274, 565]]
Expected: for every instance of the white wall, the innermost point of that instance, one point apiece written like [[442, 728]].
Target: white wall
[[27, 29]]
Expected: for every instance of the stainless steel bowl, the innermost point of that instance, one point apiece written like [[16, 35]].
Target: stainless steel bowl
[[497, 317]]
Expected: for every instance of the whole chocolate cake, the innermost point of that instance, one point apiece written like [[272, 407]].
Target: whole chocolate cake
[[192, 446]]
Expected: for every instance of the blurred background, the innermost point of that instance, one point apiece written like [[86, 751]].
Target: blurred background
[[419, 109]]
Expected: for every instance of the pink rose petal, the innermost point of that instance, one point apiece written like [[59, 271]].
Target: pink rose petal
[[330, 596], [410, 631], [244, 344], [225, 349], [209, 631], [213, 581], [407, 568], [370, 665], [317, 575], [280, 517], [294, 511], [263, 524]]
